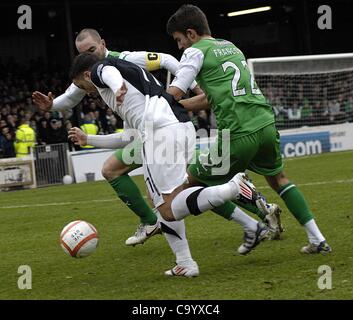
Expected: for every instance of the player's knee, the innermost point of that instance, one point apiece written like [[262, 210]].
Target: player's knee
[[168, 217], [166, 213], [113, 169], [277, 181], [107, 173]]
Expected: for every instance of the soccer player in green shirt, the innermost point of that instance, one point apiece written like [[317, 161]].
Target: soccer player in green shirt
[[220, 69]]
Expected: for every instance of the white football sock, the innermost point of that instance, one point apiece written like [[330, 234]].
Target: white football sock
[[179, 246], [314, 234], [196, 200], [248, 223]]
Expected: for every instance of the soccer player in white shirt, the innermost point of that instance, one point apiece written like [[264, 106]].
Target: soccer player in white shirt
[[165, 129], [115, 170]]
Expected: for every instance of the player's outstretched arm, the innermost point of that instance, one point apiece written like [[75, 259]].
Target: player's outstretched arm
[[77, 136], [154, 61], [43, 102], [69, 99], [110, 141], [189, 67]]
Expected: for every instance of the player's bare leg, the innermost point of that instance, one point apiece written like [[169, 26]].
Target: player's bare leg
[[298, 206]]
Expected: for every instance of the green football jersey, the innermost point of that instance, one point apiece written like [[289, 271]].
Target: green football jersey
[[237, 102]]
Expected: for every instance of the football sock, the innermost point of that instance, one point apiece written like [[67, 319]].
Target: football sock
[[295, 203], [252, 208], [247, 222], [225, 210], [196, 200], [231, 212], [175, 234], [313, 232], [130, 194]]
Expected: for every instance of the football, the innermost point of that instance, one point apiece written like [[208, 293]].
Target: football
[[67, 179], [79, 239]]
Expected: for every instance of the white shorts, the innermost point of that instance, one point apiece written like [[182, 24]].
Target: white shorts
[[165, 157]]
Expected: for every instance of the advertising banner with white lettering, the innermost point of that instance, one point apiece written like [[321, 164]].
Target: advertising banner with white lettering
[[316, 140]]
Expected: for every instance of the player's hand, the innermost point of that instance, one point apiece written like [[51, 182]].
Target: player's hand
[[77, 136], [120, 95], [43, 102], [197, 90]]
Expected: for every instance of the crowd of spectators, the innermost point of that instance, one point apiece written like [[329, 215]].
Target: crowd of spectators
[[310, 100], [295, 104], [17, 82]]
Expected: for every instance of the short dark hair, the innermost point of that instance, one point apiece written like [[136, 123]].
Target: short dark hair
[[186, 17], [82, 62]]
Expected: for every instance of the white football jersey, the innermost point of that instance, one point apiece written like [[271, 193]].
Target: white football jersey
[[145, 101]]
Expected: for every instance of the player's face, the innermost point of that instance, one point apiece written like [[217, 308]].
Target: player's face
[[85, 83], [183, 41], [91, 45]]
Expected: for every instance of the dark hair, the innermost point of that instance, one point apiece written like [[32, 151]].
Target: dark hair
[[82, 62], [186, 17]]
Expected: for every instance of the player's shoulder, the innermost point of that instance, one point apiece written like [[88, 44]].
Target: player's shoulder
[[209, 43], [113, 61], [97, 70], [123, 66], [114, 54]]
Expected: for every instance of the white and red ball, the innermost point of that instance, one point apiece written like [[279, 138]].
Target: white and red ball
[[79, 239]]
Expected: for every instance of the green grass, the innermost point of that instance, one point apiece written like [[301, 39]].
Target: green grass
[[275, 270]]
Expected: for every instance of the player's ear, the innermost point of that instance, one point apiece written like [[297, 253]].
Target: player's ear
[[87, 75], [191, 34], [103, 43]]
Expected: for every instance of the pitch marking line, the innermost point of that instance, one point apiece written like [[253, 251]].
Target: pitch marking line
[[114, 199], [56, 204], [313, 183]]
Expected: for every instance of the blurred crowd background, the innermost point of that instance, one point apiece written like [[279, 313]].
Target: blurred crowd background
[[17, 111]]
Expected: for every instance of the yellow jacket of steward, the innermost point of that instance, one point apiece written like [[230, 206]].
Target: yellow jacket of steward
[[89, 128], [25, 139]]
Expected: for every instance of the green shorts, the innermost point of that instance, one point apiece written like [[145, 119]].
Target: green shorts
[[258, 152], [130, 155]]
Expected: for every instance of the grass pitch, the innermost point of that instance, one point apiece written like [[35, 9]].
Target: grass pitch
[[31, 221]]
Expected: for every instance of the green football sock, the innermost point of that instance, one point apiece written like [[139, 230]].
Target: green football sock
[[225, 210], [296, 203], [252, 208], [129, 193], [228, 208]]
